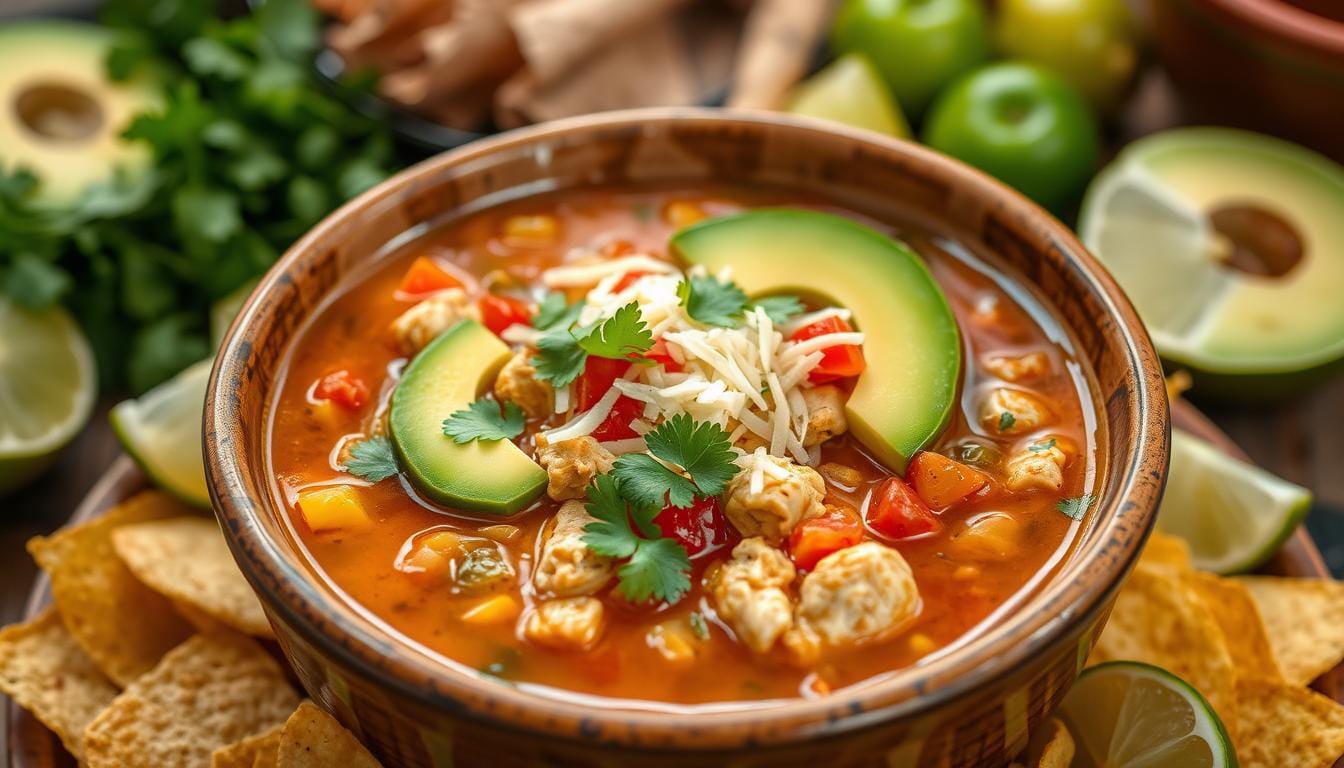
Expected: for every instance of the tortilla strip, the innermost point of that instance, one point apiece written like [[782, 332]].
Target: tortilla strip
[[555, 36], [778, 47], [476, 46], [1287, 725], [313, 739], [1304, 619]]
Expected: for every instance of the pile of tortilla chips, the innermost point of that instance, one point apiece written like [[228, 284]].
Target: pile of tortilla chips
[[148, 656], [1249, 644]]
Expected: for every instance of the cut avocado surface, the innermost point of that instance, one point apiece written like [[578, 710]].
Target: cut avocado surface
[[905, 396], [1231, 246], [494, 477], [60, 116]]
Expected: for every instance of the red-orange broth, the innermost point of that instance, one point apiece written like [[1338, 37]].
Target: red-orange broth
[[961, 593]]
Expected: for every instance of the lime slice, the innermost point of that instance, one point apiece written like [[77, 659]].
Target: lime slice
[[161, 430], [223, 311], [1234, 515], [1124, 714], [1229, 244], [850, 91], [47, 387]]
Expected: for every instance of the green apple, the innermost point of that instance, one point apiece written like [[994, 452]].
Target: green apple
[[1090, 43]]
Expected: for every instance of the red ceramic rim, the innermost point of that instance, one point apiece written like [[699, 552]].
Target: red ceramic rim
[[1293, 26]]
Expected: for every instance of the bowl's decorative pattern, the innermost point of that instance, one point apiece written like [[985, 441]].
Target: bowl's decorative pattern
[[977, 706]]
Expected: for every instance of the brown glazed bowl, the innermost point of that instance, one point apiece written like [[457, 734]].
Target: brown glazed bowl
[[974, 707], [1275, 66]]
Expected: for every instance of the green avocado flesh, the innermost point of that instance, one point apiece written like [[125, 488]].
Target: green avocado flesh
[[494, 477], [905, 396]]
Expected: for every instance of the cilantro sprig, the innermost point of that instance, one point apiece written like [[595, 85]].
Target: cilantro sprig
[[372, 460], [553, 311], [562, 351], [483, 420], [780, 309], [623, 335], [655, 567], [702, 450], [712, 301], [1074, 509]]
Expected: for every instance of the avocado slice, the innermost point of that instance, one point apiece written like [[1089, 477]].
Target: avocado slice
[[904, 398], [494, 477], [62, 118]]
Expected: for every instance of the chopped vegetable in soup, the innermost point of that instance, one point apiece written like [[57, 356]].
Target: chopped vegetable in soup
[[684, 448]]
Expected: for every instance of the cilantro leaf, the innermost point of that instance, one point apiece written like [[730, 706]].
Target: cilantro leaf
[[1006, 421], [559, 357], [702, 449], [553, 312], [620, 336], [482, 420], [659, 568], [709, 301], [1042, 446], [611, 535], [780, 309], [372, 459], [646, 481], [1074, 509]]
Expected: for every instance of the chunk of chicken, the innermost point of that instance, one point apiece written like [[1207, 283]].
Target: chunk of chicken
[[1040, 465], [861, 593], [789, 495], [423, 323], [517, 382], [1033, 365], [566, 566], [749, 592], [825, 414], [1013, 411], [572, 623], [572, 464]]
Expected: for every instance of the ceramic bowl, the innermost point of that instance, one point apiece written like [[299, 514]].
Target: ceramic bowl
[[976, 706], [1275, 66]]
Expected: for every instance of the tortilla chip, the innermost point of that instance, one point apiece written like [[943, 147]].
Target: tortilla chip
[[207, 693], [1056, 746], [313, 739], [124, 626], [1160, 619], [46, 672], [1243, 629], [1166, 549], [1286, 725], [187, 560], [1304, 619], [251, 752]]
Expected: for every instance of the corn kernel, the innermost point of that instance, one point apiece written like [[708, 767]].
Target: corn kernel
[[672, 642], [333, 507], [680, 213], [423, 562], [533, 229], [446, 543], [504, 534], [496, 610], [922, 644]]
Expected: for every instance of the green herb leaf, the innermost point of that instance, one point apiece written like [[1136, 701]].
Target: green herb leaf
[[372, 459], [482, 420], [621, 336], [611, 535], [1075, 508], [780, 309], [646, 481], [554, 311], [1006, 421], [34, 282], [209, 57], [559, 357], [1042, 446], [709, 301], [659, 568], [701, 448], [699, 627]]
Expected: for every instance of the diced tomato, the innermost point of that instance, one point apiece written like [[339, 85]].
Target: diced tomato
[[617, 424], [832, 531], [626, 281], [597, 377], [425, 277], [897, 512], [617, 248], [942, 482], [700, 528], [658, 353], [343, 388], [839, 362], [499, 312]]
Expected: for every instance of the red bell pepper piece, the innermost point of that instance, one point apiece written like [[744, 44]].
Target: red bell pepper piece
[[343, 388], [832, 531], [839, 362], [499, 312], [896, 511]]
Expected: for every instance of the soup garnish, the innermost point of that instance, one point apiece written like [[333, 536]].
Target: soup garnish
[[594, 450]]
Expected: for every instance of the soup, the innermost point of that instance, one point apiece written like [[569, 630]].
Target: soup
[[683, 448]]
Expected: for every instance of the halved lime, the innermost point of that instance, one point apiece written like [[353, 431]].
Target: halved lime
[[850, 91], [1231, 246], [1124, 714], [161, 430], [1234, 515], [48, 383]]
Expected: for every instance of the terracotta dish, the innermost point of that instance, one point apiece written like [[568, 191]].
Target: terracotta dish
[[974, 705]]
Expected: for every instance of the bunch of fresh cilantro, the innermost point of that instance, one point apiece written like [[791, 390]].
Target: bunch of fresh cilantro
[[249, 152]]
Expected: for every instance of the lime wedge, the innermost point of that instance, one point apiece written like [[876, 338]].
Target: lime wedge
[[47, 387], [1234, 515], [161, 430], [223, 311], [850, 91], [1124, 714]]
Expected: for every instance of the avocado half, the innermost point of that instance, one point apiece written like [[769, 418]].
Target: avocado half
[[494, 477], [904, 398], [60, 116]]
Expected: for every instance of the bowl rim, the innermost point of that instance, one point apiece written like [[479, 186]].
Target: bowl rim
[[1124, 520], [1288, 23]]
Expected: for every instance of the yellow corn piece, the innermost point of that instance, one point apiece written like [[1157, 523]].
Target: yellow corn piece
[[496, 610], [333, 508], [445, 543], [541, 229], [672, 641], [680, 213], [504, 534]]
